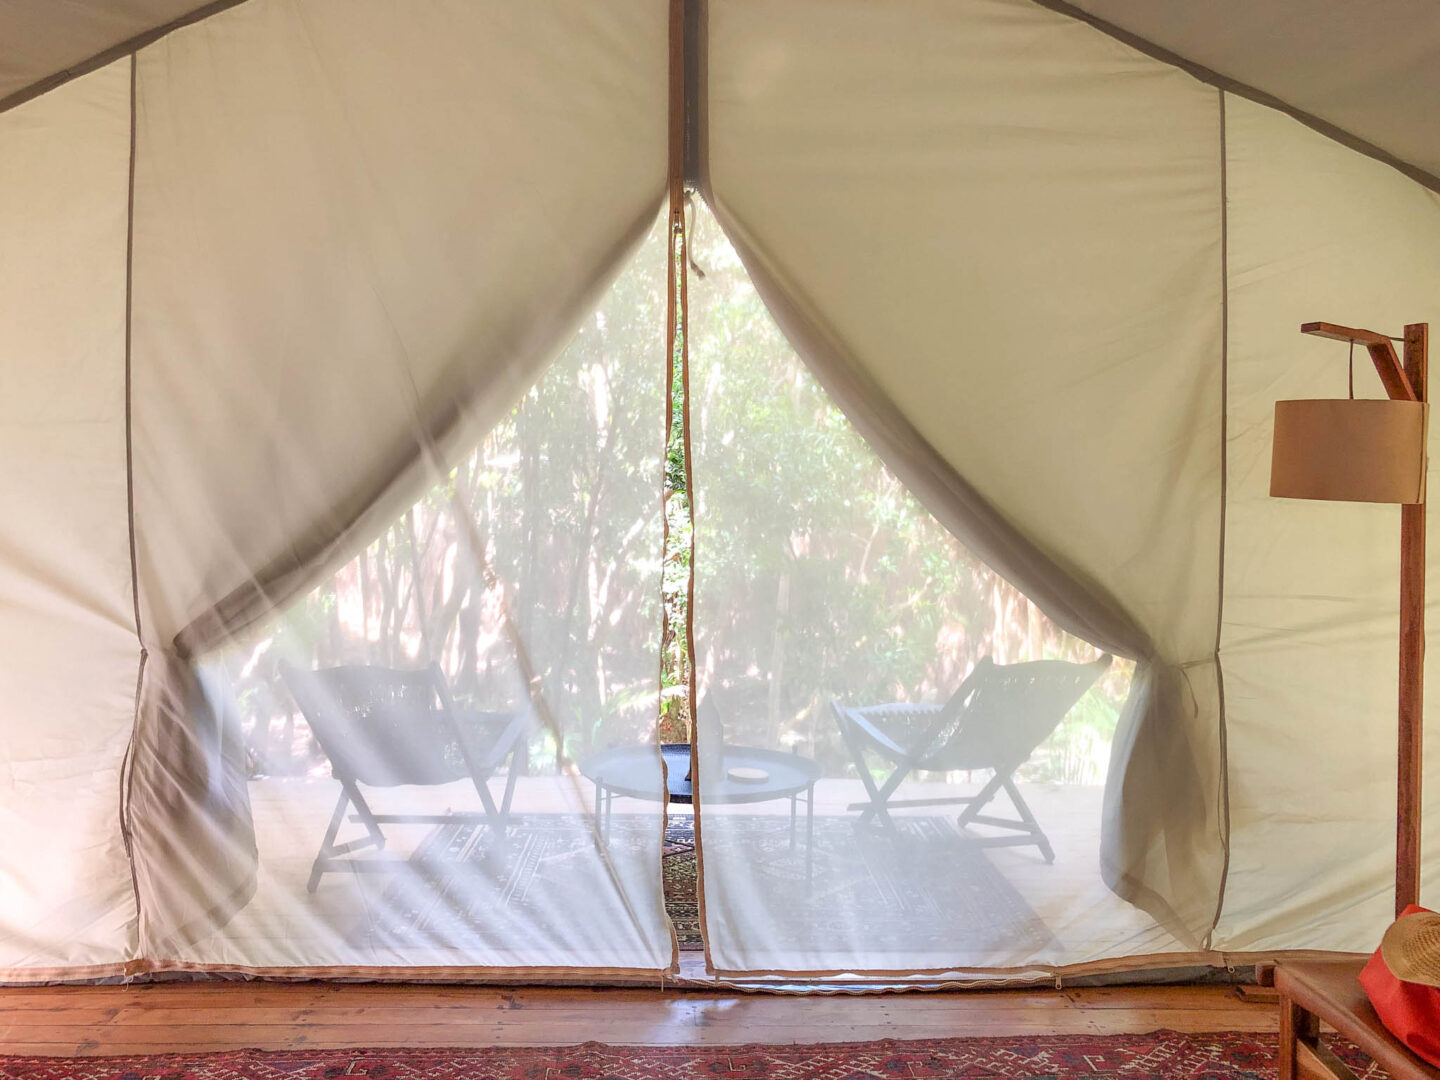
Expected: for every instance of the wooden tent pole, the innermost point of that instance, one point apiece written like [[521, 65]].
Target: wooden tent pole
[[686, 75], [1412, 656], [677, 112]]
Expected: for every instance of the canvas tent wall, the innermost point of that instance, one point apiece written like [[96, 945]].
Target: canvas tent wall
[[266, 275]]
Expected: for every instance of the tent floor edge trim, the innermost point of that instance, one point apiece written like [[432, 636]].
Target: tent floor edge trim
[[688, 976], [1119, 965]]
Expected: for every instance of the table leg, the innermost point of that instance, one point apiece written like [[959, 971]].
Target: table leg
[[1289, 1012], [793, 800], [810, 836], [1296, 1025]]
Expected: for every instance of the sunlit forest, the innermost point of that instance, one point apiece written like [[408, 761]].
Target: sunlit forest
[[545, 552]]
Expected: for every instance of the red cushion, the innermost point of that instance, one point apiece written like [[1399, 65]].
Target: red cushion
[[1411, 1011]]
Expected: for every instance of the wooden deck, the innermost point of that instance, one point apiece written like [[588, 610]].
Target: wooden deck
[[1086, 919], [101, 1020]]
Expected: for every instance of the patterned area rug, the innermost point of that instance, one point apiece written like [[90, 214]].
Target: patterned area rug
[[1162, 1055], [916, 888], [682, 902], [465, 888], [928, 889]]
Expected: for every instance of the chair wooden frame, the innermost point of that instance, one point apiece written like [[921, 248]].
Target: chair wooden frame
[[963, 734], [328, 721]]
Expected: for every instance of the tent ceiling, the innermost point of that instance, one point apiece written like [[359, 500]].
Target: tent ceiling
[[42, 38], [1372, 69]]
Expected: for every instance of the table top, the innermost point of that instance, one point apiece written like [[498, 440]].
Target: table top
[[1331, 990], [635, 771]]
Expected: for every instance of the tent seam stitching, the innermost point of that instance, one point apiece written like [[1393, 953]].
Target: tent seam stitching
[[1224, 792], [127, 765], [129, 47]]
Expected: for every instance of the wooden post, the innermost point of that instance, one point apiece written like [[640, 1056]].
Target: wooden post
[[686, 70], [677, 257], [1412, 656], [677, 114]]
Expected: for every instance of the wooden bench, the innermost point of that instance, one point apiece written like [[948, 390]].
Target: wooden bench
[[1329, 990]]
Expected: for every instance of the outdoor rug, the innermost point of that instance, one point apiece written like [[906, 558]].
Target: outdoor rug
[[908, 890], [1162, 1055], [930, 885]]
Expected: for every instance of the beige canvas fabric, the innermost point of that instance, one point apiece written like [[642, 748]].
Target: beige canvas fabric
[[43, 39], [368, 243], [361, 234], [66, 617], [1312, 593], [417, 208], [1381, 86], [937, 211], [484, 574]]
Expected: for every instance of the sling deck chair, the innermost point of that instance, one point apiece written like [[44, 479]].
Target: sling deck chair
[[995, 720], [383, 727]]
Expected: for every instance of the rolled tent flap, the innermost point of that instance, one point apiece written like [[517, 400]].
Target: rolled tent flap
[[361, 232], [916, 182], [1160, 845], [192, 838]]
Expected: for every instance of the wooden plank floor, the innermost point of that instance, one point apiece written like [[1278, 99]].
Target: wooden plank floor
[[97, 1020]]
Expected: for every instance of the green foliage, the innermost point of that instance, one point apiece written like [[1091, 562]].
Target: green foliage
[[819, 576], [569, 529], [674, 716], [547, 534]]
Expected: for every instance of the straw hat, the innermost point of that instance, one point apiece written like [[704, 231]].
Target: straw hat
[[1411, 948]]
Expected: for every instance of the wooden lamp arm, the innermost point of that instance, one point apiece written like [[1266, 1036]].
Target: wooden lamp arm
[[1382, 352]]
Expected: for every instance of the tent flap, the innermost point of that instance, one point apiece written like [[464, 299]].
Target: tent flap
[[1044, 318], [447, 191]]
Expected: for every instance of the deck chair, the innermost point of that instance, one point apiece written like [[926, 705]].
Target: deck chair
[[383, 727], [995, 720]]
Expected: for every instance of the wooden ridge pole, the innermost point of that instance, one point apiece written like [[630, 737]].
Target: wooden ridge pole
[[677, 123], [1412, 655]]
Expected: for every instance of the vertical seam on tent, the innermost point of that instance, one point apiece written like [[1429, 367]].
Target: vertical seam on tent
[[127, 765], [1224, 793], [129, 294]]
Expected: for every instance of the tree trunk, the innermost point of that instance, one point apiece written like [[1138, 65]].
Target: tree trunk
[[777, 651]]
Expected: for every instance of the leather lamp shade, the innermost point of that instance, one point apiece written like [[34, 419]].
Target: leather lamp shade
[[1350, 450]]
